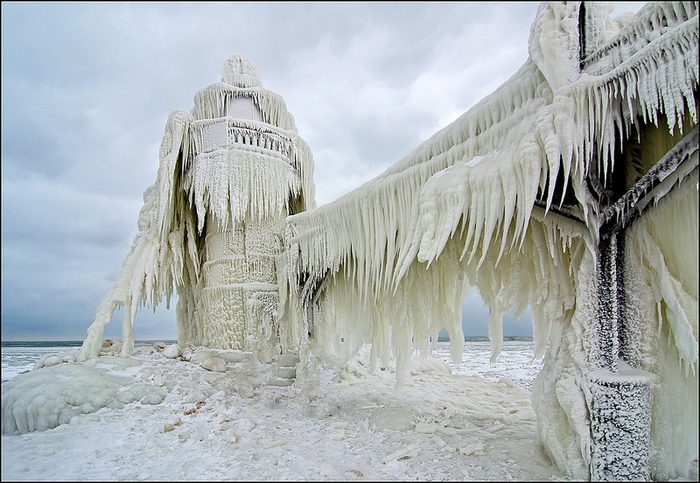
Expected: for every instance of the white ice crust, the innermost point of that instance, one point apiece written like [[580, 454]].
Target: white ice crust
[[475, 205]]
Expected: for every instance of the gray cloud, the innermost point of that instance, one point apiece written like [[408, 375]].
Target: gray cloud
[[28, 148]]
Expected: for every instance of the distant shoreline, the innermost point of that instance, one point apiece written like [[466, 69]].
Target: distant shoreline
[[78, 343], [67, 343]]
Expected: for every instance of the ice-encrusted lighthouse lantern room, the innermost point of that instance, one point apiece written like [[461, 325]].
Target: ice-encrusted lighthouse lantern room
[[231, 170]]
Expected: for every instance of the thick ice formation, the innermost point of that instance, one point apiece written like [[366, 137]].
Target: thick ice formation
[[510, 199], [43, 399], [513, 198], [211, 227]]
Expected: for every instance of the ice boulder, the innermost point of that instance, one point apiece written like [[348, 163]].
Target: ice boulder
[[215, 364], [172, 351]]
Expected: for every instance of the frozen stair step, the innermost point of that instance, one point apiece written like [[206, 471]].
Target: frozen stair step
[[286, 372], [288, 360], [278, 381]]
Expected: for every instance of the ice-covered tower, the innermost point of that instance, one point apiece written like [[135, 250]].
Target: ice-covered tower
[[212, 226], [245, 180]]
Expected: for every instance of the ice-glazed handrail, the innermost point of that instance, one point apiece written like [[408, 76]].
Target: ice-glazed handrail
[[229, 133]]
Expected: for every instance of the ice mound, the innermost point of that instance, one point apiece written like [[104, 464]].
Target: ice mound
[[45, 398]]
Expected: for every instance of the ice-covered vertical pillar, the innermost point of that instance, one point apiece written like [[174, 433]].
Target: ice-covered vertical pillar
[[263, 244], [611, 299], [240, 283], [619, 396], [224, 272], [620, 417]]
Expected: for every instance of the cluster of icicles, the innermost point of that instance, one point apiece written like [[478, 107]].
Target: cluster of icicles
[[471, 189], [477, 205]]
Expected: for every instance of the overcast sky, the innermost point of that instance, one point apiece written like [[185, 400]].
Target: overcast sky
[[87, 88]]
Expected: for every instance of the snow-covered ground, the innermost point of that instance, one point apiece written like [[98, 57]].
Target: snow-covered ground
[[331, 424], [246, 424]]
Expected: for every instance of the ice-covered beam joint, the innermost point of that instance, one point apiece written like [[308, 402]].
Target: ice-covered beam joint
[[667, 173]]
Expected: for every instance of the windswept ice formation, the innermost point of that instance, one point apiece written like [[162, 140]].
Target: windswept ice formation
[[572, 189], [231, 170]]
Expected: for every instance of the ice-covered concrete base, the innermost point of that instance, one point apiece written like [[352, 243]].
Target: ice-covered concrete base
[[620, 415]]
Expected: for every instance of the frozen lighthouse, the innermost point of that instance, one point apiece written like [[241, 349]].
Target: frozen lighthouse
[[243, 177], [212, 226]]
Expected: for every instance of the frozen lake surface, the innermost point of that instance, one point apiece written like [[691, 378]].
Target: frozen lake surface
[[515, 361]]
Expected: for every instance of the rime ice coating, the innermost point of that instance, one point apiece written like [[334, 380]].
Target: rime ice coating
[[478, 204], [238, 71]]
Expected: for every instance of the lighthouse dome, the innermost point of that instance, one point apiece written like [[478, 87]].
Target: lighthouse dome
[[238, 71]]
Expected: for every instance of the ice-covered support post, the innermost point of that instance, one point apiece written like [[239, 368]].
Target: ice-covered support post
[[610, 297], [620, 417], [620, 396], [310, 292], [127, 327]]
